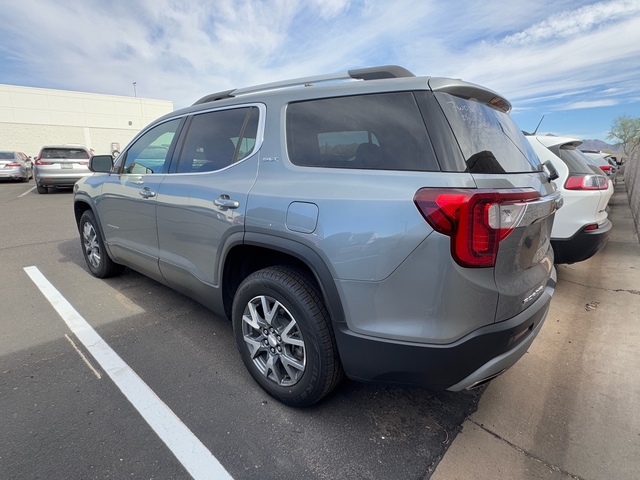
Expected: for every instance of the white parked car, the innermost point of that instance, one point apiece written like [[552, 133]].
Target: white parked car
[[581, 227], [604, 162]]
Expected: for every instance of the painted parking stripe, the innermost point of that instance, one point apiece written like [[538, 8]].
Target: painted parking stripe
[[27, 192], [193, 455]]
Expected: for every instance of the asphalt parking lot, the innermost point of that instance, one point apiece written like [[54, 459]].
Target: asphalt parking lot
[[567, 410], [62, 416]]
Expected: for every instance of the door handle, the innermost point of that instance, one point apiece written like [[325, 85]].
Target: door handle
[[225, 202], [146, 192]]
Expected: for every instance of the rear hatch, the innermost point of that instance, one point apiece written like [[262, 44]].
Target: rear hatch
[[513, 212], [64, 158]]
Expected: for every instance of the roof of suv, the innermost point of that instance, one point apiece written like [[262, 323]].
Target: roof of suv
[[388, 77]]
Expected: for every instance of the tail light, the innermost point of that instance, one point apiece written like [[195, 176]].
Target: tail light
[[586, 182], [13, 164], [606, 169], [39, 161], [475, 220]]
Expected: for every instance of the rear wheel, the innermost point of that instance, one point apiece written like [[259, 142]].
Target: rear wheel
[[284, 334], [41, 189], [98, 261]]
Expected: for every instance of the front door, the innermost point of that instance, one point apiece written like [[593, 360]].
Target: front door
[[129, 199]]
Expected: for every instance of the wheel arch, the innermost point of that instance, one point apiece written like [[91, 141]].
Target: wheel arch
[[82, 204], [258, 251]]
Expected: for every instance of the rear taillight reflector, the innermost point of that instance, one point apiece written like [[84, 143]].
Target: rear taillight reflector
[[476, 220], [587, 182], [591, 227]]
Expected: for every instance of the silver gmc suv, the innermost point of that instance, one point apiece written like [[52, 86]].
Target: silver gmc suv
[[389, 227]]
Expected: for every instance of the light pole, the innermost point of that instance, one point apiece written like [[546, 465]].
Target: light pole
[[135, 94]]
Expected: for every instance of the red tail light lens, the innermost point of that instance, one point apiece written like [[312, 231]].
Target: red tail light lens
[[476, 220], [587, 182], [42, 162], [13, 164], [605, 168]]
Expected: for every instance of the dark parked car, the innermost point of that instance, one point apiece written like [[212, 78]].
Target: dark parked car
[[392, 227]]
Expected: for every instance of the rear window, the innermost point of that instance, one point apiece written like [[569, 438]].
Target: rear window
[[6, 156], [490, 141], [379, 131], [575, 160], [69, 153]]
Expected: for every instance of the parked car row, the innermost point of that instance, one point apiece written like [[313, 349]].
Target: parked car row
[[604, 162], [581, 227]]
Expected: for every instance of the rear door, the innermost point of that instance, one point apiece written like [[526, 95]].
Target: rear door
[[202, 201]]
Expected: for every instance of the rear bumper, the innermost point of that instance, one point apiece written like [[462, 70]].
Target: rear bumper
[[583, 245], [470, 361], [14, 174], [59, 181]]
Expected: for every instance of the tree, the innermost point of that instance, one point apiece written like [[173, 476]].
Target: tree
[[626, 129]]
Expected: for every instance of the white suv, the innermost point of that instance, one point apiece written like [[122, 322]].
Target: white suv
[[581, 228]]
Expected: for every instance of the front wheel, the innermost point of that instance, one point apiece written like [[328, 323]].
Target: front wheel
[[98, 260], [284, 334]]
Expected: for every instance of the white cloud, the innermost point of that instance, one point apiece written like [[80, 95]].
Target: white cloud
[[551, 54], [571, 22], [589, 104]]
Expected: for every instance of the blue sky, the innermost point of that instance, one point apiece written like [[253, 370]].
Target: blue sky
[[576, 62]]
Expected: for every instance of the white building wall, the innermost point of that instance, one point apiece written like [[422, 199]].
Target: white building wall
[[33, 117]]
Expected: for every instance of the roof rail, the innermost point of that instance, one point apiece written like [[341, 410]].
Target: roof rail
[[216, 96], [377, 73], [371, 73]]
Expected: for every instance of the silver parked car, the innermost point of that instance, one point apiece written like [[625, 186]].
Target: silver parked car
[[390, 227], [61, 166], [15, 165]]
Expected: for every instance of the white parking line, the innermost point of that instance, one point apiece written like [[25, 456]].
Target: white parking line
[[193, 455], [27, 192]]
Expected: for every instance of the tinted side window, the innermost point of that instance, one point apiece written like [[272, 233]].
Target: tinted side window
[[490, 141], [150, 153], [215, 140], [381, 131]]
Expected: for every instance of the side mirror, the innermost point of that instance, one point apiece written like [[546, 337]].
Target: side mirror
[[550, 170], [101, 163]]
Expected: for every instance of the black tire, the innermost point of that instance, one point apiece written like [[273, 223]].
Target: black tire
[[98, 260], [41, 189], [293, 353]]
